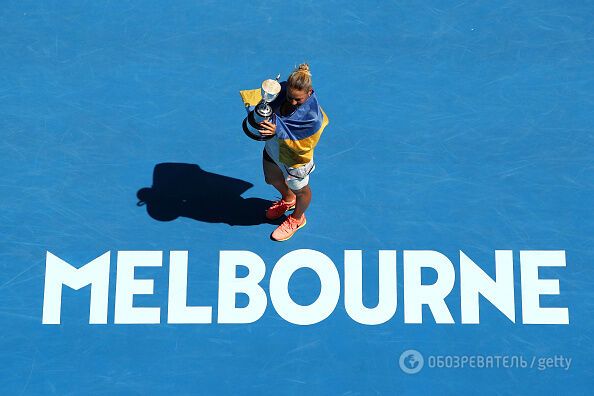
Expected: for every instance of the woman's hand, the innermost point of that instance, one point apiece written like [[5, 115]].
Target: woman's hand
[[267, 128]]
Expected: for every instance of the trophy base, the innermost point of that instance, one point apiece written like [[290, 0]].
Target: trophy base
[[250, 128]]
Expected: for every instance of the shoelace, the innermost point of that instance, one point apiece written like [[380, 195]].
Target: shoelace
[[280, 203], [292, 222]]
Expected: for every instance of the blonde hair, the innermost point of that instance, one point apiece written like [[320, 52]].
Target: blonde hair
[[300, 78]]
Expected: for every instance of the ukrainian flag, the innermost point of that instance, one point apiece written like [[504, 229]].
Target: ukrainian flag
[[299, 132]]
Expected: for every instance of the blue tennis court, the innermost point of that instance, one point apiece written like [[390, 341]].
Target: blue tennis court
[[454, 126]]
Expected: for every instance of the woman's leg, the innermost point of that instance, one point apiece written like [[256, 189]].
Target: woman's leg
[[274, 176], [303, 200]]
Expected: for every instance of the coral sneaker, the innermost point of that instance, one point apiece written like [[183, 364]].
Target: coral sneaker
[[288, 228], [278, 209]]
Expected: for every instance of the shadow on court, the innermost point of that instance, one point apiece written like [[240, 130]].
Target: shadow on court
[[189, 191]]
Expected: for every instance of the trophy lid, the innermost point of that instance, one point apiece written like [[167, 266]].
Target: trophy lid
[[270, 90], [271, 87]]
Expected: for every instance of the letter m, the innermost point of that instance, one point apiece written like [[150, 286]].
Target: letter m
[[58, 272]]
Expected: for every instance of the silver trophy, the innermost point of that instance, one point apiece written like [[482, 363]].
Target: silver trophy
[[262, 111]]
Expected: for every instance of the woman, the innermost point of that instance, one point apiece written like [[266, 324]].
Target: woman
[[288, 157]]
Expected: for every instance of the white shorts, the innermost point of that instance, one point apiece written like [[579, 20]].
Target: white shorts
[[296, 178]]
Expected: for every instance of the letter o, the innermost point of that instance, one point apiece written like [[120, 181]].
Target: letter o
[[279, 287]]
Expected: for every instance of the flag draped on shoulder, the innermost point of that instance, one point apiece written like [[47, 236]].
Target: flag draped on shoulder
[[297, 133], [300, 131]]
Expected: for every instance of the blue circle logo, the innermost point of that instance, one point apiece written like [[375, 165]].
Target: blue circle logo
[[411, 361]]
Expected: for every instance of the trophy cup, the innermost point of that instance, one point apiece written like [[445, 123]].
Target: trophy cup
[[262, 111]]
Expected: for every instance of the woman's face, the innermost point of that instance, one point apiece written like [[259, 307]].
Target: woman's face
[[296, 97]]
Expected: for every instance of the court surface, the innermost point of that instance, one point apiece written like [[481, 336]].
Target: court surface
[[462, 125]]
